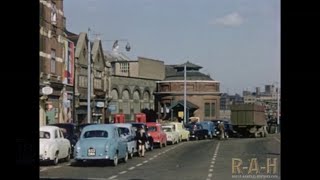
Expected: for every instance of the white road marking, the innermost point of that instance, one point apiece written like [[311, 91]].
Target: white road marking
[[122, 172], [276, 139], [43, 169], [213, 162], [112, 177], [150, 159], [131, 168], [145, 161], [139, 164]]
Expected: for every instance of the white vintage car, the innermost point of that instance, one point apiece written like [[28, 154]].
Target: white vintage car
[[53, 145], [172, 135]]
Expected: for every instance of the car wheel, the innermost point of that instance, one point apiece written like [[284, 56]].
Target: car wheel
[[56, 159], [68, 156], [131, 153], [125, 159], [151, 147], [115, 160]]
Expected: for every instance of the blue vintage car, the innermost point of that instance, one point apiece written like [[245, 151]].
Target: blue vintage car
[[101, 142]]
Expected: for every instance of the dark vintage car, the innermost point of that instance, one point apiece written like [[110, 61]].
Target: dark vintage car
[[149, 145], [197, 131], [230, 132], [69, 132]]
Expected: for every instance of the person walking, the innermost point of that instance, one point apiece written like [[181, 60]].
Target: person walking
[[221, 128], [141, 141]]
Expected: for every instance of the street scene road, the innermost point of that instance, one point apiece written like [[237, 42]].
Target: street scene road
[[235, 158]]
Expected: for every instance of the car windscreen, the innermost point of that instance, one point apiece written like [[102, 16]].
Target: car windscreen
[[152, 128], [167, 129], [44, 135], [124, 130], [95, 134]]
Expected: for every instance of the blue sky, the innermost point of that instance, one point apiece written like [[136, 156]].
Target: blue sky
[[237, 42]]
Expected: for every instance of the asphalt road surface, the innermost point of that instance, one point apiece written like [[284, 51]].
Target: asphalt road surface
[[237, 158]]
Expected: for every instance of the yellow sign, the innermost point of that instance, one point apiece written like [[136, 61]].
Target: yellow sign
[[180, 114]]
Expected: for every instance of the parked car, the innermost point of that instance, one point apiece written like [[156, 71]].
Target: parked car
[[172, 135], [183, 132], [159, 137], [197, 132], [128, 131], [210, 126], [53, 145], [69, 132], [101, 142], [230, 132], [149, 144]]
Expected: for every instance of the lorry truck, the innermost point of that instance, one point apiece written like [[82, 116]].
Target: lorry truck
[[249, 120]]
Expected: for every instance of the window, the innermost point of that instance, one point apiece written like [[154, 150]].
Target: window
[[83, 81], [124, 67], [95, 133], [213, 109], [61, 134], [56, 134], [207, 109], [97, 84], [53, 61], [44, 135], [54, 14]]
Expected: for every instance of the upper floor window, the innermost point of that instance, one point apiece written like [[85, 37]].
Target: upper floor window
[[53, 61], [124, 67], [54, 13]]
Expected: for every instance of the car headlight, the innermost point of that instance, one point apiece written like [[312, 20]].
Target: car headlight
[[78, 149]]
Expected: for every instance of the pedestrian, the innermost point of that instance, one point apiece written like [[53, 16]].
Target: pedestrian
[[221, 128], [141, 141]]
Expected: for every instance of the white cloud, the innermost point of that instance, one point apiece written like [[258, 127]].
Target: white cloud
[[233, 19]]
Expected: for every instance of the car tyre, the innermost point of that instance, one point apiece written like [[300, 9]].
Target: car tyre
[[115, 160], [125, 159]]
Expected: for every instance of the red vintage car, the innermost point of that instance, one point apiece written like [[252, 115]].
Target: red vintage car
[[158, 135]]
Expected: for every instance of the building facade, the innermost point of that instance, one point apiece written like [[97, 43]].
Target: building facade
[[98, 79], [202, 94], [56, 62], [132, 84]]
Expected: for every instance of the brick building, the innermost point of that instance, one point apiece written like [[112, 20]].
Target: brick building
[[203, 96], [56, 62]]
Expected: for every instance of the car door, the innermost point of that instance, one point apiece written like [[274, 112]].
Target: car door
[[65, 144], [58, 142], [121, 141]]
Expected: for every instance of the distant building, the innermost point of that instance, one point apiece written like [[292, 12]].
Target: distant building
[[203, 93]]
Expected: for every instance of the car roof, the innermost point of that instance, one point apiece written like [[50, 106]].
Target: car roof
[[108, 127], [123, 125], [48, 128]]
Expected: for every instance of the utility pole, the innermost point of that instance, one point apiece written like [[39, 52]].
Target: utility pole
[[89, 81], [185, 95]]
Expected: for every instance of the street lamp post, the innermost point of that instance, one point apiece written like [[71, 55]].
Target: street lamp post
[[89, 81]]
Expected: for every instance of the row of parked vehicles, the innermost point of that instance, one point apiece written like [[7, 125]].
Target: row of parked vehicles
[[116, 142]]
